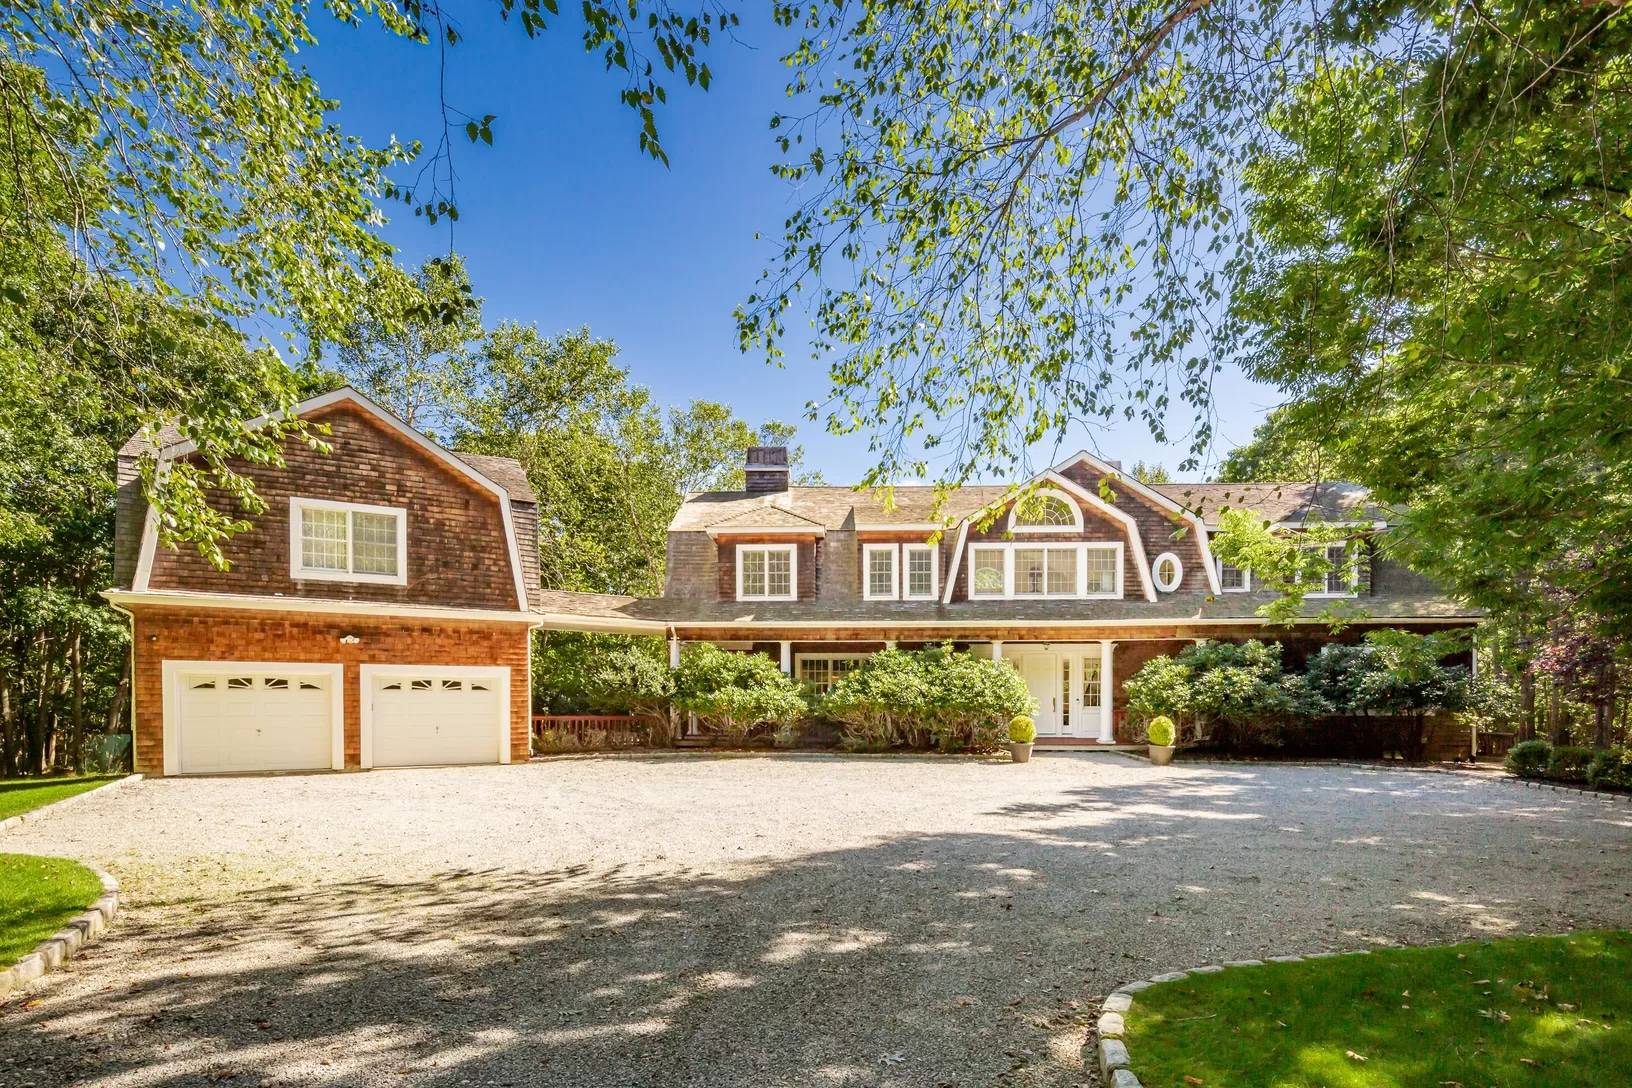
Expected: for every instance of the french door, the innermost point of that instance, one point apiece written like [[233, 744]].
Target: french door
[[1067, 686]]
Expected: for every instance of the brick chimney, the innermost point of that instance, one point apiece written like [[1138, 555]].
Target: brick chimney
[[767, 469]]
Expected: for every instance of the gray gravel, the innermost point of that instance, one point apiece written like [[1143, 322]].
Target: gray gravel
[[770, 921]]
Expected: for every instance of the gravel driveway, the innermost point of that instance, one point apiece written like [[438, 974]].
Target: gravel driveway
[[764, 921]]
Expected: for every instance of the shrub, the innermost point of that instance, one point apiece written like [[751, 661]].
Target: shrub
[[1160, 687], [1611, 768], [1569, 763], [971, 699], [882, 703], [734, 695], [1160, 731], [1529, 758], [1021, 730]]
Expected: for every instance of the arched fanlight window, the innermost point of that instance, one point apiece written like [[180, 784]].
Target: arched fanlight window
[[1045, 510]]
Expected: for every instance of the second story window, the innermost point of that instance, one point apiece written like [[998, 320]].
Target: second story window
[[923, 576], [1053, 570], [347, 542], [767, 572], [879, 571], [1342, 577], [1045, 512], [1233, 579]]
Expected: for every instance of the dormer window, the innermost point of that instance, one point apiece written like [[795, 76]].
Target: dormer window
[[1045, 512], [767, 572], [1342, 578], [347, 542], [908, 572]]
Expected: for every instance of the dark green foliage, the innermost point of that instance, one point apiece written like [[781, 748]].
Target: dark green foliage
[[923, 698], [735, 695], [1569, 763], [1529, 758], [1356, 700], [1611, 769]]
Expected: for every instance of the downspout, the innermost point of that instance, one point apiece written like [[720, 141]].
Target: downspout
[[131, 665]]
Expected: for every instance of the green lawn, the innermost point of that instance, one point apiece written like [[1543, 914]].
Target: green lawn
[[20, 795], [37, 897], [1526, 1012]]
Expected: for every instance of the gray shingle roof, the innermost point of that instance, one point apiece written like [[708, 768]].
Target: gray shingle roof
[[1175, 608], [844, 507]]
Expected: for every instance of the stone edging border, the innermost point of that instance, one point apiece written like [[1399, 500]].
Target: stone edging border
[[117, 783], [1112, 1051], [65, 943]]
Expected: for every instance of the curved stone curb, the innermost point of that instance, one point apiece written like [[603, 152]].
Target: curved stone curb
[[65, 943], [6, 825], [1568, 787], [1111, 1052]]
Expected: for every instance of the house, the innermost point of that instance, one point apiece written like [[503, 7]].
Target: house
[[377, 614], [1079, 584]]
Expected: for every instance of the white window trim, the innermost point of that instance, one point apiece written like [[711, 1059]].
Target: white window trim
[[1246, 580], [792, 551], [1080, 548], [297, 514], [1178, 576], [1047, 492], [1353, 548], [934, 553], [867, 553]]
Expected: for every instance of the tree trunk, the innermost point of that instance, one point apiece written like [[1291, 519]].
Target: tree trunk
[[1557, 724], [75, 756], [1527, 704]]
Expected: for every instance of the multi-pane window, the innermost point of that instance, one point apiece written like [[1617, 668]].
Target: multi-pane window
[[986, 572], [880, 571], [1065, 695], [347, 542], [1102, 567], [920, 564], [1340, 578], [765, 572], [1233, 579], [1045, 572], [1090, 683], [820, 673]]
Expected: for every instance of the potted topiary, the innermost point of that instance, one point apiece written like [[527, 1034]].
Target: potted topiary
[[1021, 735], [1160, 736]]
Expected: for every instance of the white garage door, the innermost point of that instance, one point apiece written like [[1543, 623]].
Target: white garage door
[[243, 717], [435, 716]]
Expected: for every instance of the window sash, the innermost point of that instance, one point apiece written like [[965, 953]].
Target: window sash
[[820, 672], [765, 572], [350, 542], [1103, 568], [880, 571], [987, 571], [920, 572], [1232, 579], [1074, 571]]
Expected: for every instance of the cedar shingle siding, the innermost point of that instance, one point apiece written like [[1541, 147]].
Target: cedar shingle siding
[[457, 553]]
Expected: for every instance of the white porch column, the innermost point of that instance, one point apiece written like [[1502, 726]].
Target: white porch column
[[1107, 689], [997, 649], [674, 652], [889, 644], [787, 656], [674, 663]]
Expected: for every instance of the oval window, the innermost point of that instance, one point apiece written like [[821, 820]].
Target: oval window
[[1168, 572]]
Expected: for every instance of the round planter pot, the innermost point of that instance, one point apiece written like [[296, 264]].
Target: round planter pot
[[1021, 753], [1161, 754]]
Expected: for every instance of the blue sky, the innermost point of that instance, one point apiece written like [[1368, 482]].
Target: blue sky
[[564, 222]]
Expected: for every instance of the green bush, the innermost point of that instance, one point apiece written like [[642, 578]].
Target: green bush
[[735, 695], [1022, 730], [1160, 731], [1529, 758], [1569, 763], [916, 699], [1611, 769]]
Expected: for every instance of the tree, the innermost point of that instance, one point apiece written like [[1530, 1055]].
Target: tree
[[410, 346], [1150, 474], [1277, 452], [181, 151], [1439, 283]]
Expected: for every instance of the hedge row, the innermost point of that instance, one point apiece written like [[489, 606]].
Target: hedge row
[[1600, 768]]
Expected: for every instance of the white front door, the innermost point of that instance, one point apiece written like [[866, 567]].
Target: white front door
[[1086, 693], [435, 715], [1041, 671]]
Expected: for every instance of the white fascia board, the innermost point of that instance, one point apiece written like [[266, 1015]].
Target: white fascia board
[[347, 393], [243, 602], [767, 530], [957, 560]]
